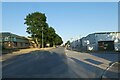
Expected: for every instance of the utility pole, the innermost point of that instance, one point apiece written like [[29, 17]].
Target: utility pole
[[42, 38], [71, 43]]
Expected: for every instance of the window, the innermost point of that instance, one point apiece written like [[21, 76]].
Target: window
[[15, 44], [21, 44], [6, 38]]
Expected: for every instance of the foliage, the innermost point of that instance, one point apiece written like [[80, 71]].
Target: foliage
[[36, 23], [67, 43]]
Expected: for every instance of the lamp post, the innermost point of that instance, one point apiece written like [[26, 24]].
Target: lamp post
[[71, 42], [42, 38]]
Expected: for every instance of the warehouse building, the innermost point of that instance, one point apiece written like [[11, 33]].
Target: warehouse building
[[104, 41], [9, 40]]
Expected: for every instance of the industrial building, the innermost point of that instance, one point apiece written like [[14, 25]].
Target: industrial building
[[104, 41]]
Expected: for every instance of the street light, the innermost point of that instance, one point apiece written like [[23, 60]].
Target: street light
[[71, 43], [42, 38]]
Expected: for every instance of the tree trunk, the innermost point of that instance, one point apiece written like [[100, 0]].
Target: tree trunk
[[53, 44], [36, 40]]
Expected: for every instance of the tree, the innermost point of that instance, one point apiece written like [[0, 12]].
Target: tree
[[67, 43], [53, 38], [50, 35], [36, 23]]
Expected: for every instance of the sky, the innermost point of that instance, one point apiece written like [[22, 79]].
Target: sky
[[69, 19]]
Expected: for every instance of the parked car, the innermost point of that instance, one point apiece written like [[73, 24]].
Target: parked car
[[57, 46]]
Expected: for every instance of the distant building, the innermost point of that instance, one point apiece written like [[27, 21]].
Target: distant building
[[9, 40], [103, 41]]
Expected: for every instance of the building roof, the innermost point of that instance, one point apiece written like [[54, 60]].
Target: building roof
[[101, 33], [3, 34], [97, 33], [7, 36], [105, 32]]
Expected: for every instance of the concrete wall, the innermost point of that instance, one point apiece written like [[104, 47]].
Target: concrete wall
[[90, 42], [109, 37]]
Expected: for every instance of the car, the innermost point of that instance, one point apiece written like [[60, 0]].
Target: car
[[57, 46]]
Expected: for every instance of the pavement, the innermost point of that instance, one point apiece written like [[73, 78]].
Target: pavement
[[93, 64], [56, 63]]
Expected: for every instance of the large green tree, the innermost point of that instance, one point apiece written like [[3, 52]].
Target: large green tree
[[36, 24]]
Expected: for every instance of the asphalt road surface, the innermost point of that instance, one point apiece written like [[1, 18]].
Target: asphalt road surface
[[38, 64], [54, 63]]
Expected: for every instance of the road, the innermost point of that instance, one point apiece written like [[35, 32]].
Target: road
[[37, 64], [54, 63]]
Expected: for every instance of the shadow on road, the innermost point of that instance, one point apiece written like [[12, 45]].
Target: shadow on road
[[93, 61], [90, 69], [108, 56], [37, 63]]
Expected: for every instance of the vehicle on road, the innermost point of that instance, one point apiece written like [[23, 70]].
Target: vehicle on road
[[57, 46]]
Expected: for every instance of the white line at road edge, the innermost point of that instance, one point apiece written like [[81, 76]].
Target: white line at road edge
[[108, 68]]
